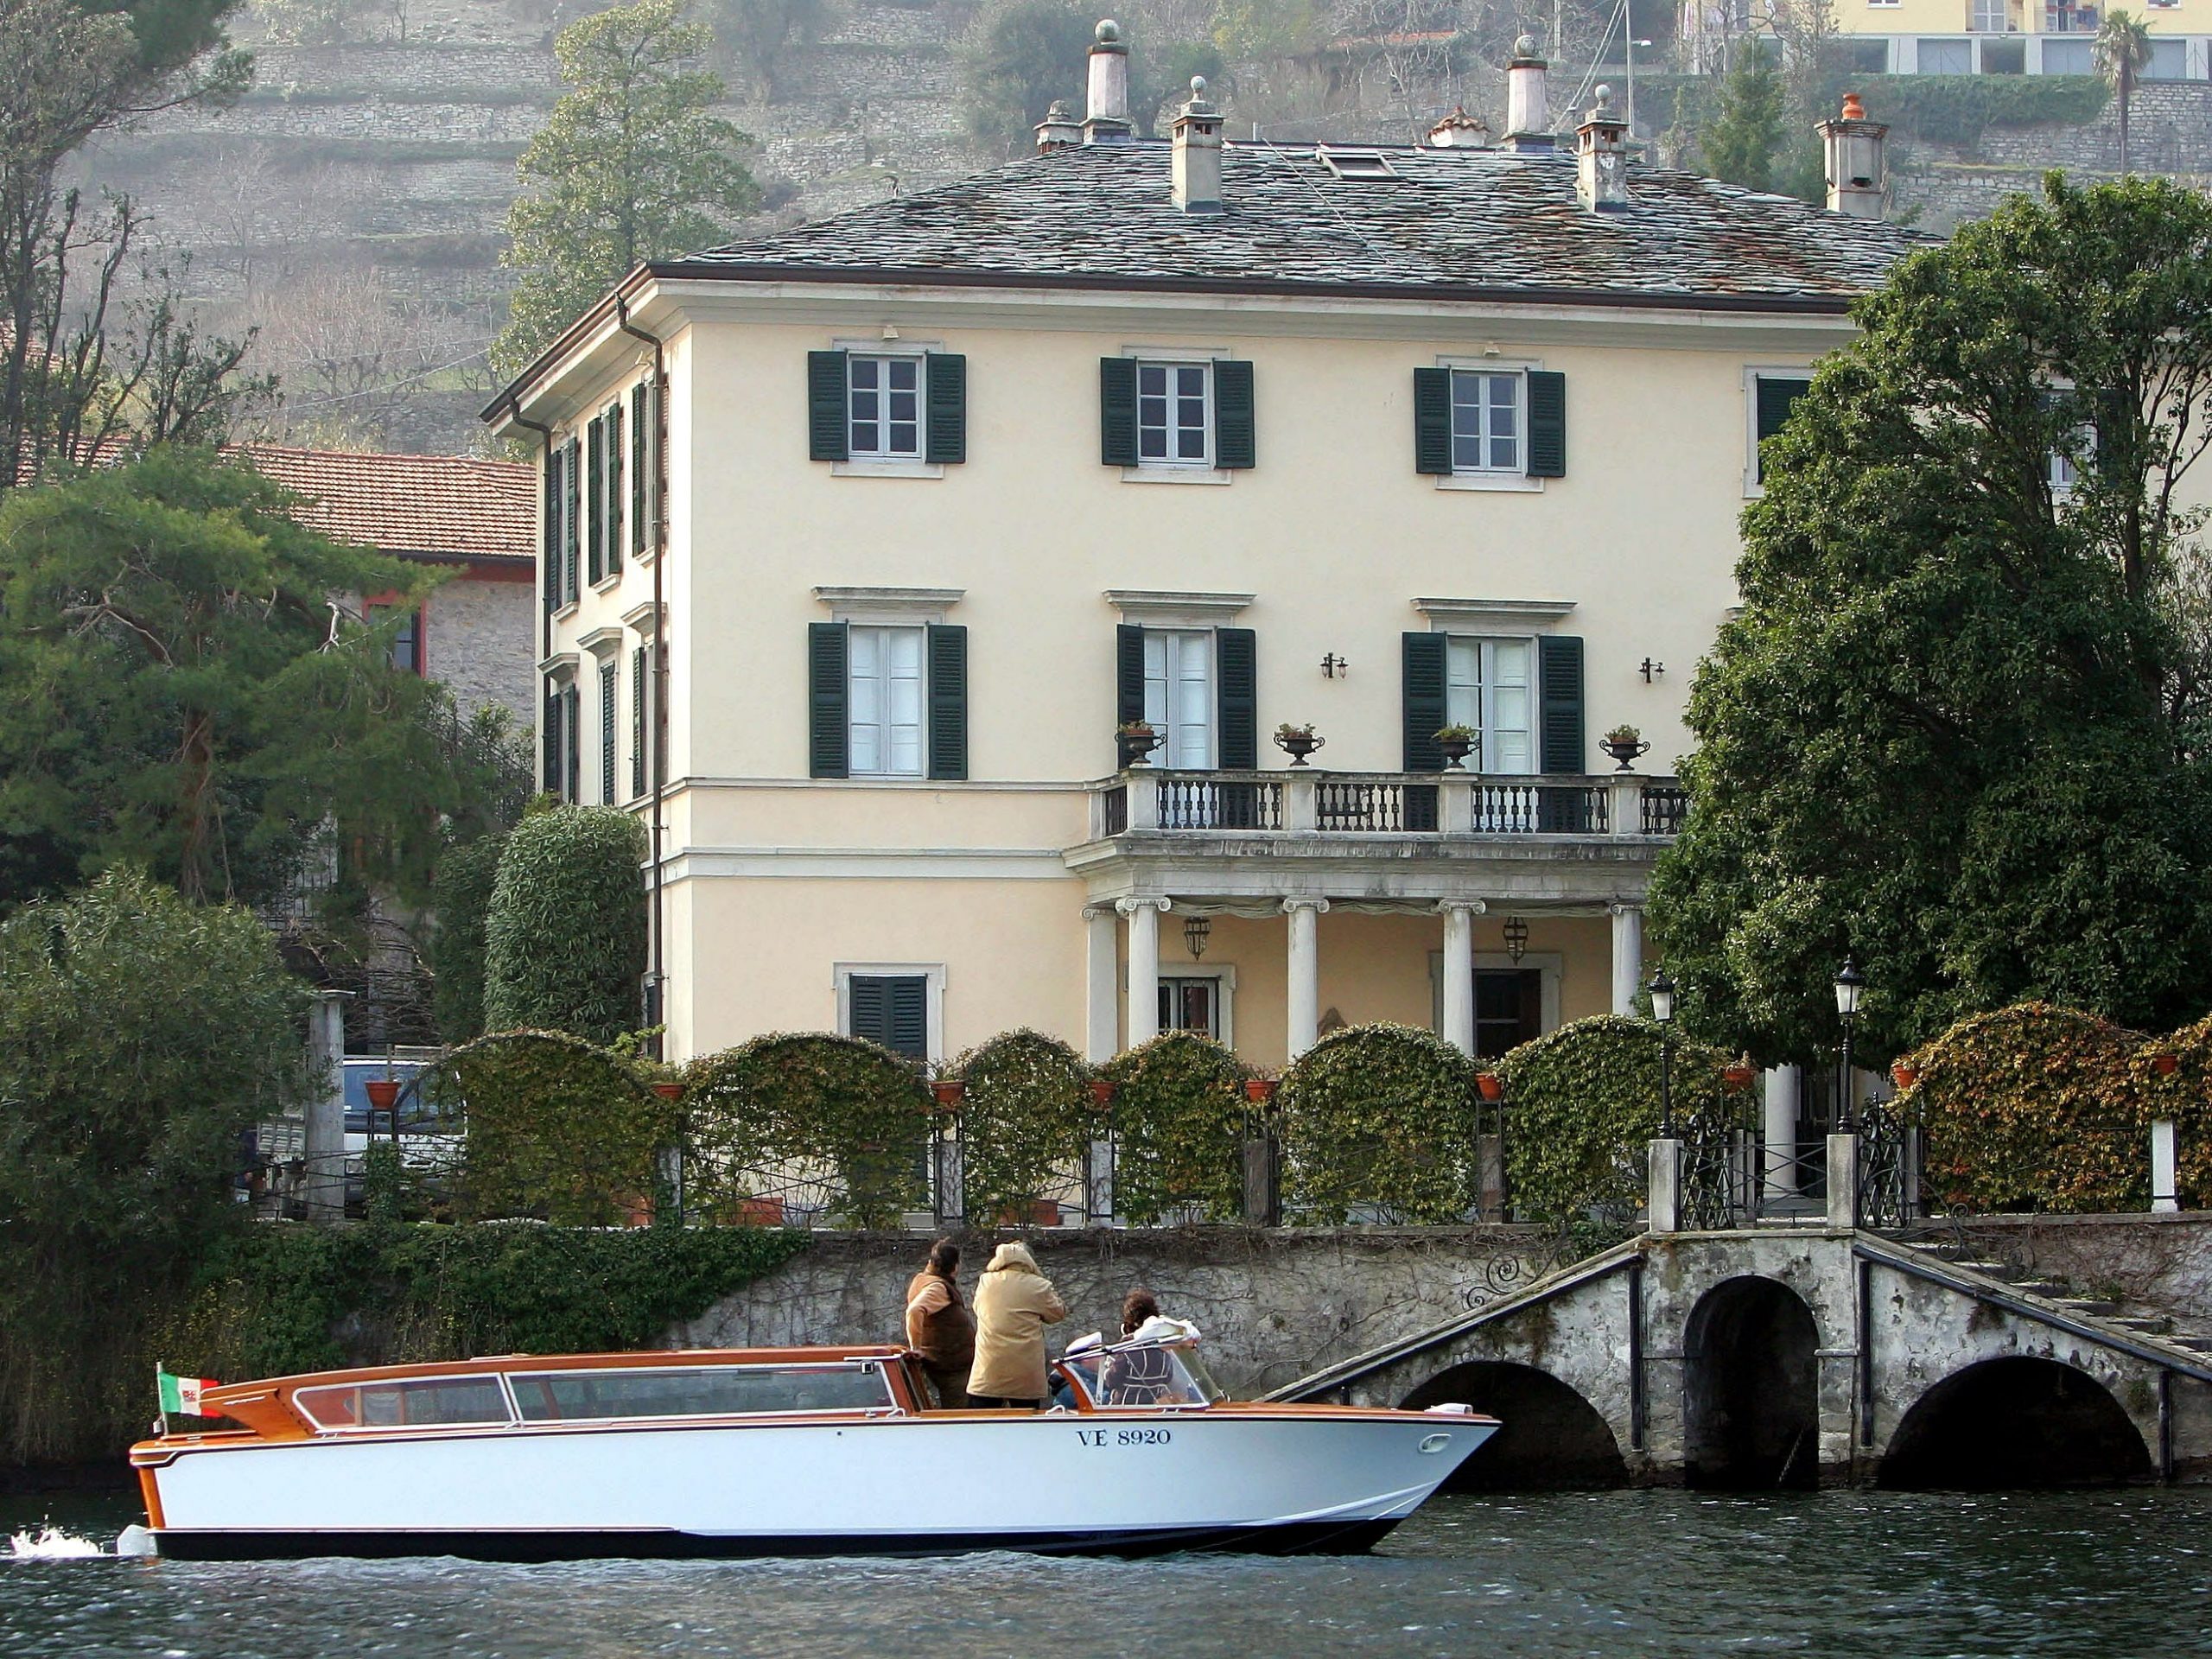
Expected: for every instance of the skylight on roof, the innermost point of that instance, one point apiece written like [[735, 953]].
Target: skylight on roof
[[1355, 163]]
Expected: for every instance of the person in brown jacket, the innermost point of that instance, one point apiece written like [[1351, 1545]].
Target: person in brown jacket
[[1014, 1304], [939, 1327]]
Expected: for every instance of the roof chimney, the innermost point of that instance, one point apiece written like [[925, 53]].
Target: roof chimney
[[1196, 170], [1058, 130], [1854, 160], [1528, 107], [1600, 157], [1459, 131], [1107, 120]]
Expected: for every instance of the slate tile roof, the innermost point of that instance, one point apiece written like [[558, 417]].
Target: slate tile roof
[[426, 506], [1469, 223]]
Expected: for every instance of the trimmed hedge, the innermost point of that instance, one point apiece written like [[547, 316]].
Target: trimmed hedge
[[565, 939], [1582, 1103], [812, 1118], [461, 891], [1380, 1119], [1026, 1121], [1179, 1118]]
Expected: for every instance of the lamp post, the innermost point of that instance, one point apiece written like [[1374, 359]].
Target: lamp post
[[1850, 987], [1662, 1012]]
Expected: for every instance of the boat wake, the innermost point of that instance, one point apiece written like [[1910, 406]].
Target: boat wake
[[52, 1544]]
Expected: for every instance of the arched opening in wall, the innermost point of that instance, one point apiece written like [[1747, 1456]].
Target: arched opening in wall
[[2015, 1422], [1750, 1390], [1550, 1439]]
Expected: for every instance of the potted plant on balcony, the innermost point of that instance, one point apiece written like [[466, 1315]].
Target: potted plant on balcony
[[1458, 742], [1297, 742], [1624, 743], [1133, 741]]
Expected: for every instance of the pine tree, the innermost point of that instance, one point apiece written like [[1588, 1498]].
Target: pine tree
[[630, 167], [1741, 144]]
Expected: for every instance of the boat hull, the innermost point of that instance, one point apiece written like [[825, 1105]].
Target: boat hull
[[1285, 1481]]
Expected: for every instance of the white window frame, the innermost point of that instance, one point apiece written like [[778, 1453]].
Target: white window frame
[[1172, 395], [914, 466], [1753, 373], [1486, 689], [1176, 472], [885, 361], [1173, 642], [920, 632], [844, 973], [1225, 993], [1514, 480], [2059, 471]]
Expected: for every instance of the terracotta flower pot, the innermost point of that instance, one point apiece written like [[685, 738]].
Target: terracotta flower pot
[[1259, 1091], [949, 1092], [1736, 1077], [637, 1211], [669, 1090], [1904, 1076], [1492, 1085], [2167, 1065], [1039, 1213], [1102, 1092], [761, 1212], [383, 1093]]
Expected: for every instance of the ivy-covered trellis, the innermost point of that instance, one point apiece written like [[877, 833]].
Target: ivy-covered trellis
[[1027, 1118], [1180, 1117], [1379, 1122]]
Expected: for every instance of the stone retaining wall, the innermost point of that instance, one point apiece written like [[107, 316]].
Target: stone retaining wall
[[1274, 1305], [2163, 1263]]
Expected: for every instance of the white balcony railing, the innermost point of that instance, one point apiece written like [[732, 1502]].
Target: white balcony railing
[[1300, 800]]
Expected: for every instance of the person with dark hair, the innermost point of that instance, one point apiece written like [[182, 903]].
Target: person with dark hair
[[1144, 1376], [939, 1327], [1137, 1306]]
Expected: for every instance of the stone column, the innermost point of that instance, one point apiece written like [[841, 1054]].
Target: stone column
[[1460, 971], [1305, 972], [2165, 1149], [1144, 966], [1843, 1182], [323, 1149], [1628, 956], [1663, 1193], [1102, 1026], [1785, 1086]]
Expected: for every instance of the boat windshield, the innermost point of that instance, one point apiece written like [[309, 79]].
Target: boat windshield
[[701, 1391], [1143, 1373]]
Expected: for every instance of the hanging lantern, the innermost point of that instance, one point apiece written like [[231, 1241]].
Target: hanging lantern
[[1517, 937], [1197, 930]]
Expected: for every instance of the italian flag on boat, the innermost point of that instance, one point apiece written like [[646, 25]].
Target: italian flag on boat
[[182, 1394]]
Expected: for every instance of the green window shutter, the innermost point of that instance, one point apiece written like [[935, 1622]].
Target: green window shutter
[[615, 488], [891, 1010], [1547, 425], [608, 680], [549, 531], [550, 740], [947, 669], [1559, 677], [572, 741], [640, 463], [572, 518], [826, 660], [1432, 421], [1773, 396], [828, 438], [1117, 411], [1238, 699], [595, 497], [1423, 697], [1129, 673], [1235, 436], [946, 442], [639, 697]]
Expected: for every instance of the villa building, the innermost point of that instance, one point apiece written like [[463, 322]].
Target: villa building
[[864, 543], [1974, 37]]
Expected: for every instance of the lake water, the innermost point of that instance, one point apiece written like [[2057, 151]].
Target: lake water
[[1557, 1575]]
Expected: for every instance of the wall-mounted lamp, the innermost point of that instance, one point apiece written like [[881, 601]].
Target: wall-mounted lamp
[[1516, 938], [1197, 930], [1334, 667], [1652, 670]]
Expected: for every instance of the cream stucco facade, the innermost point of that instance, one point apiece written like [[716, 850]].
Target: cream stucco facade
[[1049, 886]]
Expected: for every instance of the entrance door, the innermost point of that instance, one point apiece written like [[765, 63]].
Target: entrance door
[[1509, 1009], [1191, 1005]]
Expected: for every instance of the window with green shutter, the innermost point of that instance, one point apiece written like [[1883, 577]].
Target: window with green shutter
[[595, 497], [1129, 673], [1421, 697], [608, 682], [640, 698], [1235, 436], [947, 701], [826, 408], [550, 749], [1235, 651], [1117, 411], [826, 660], [891, 1010], [1559, 686], [571, 518], [1547, 424], [1432, 422], [946, 443], [643, 458], [1772, 398], [572, 744], [550, 533], [613, 438]]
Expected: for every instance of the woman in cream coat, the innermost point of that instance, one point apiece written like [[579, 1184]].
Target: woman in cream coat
[[1014, 1304]]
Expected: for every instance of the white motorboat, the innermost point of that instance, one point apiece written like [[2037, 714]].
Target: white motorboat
[[779, 1451]]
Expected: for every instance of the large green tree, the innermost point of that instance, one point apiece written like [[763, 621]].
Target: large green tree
[[140, 1037], [631, 166], [1959, 727], [1746, 134], [180, 688]]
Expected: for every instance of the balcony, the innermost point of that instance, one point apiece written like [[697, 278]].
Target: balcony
[[1437, 806]]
